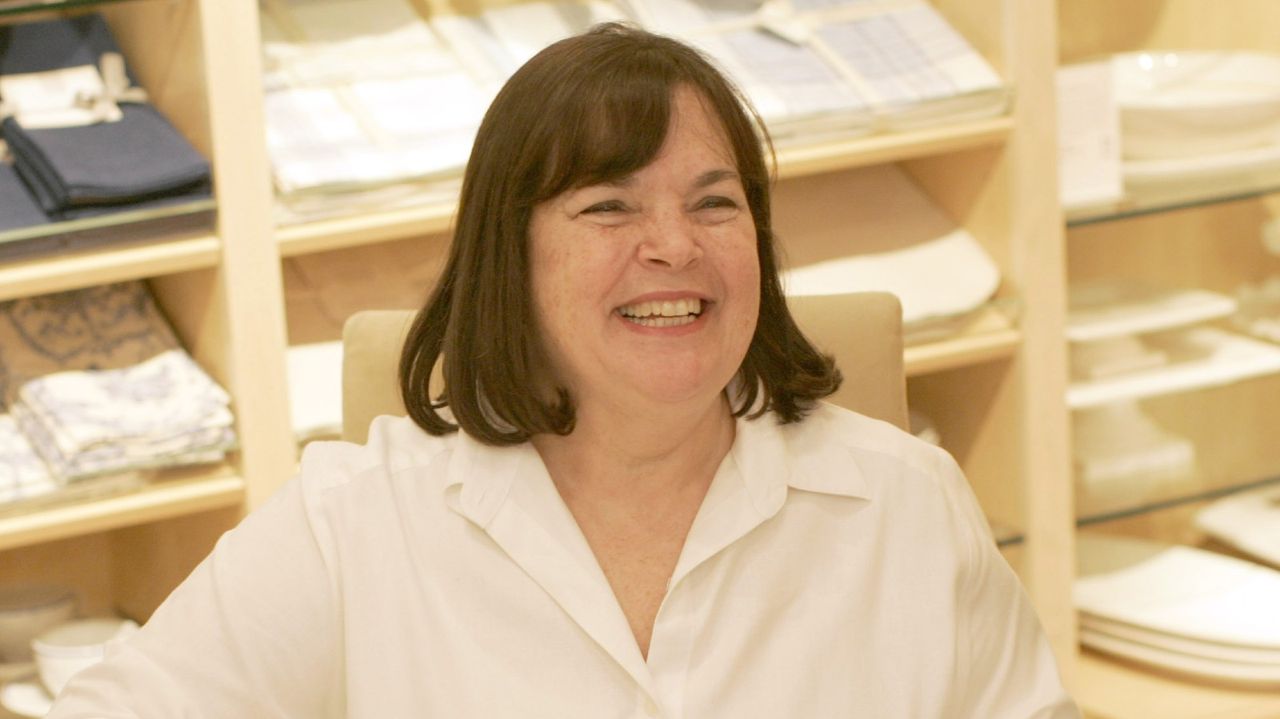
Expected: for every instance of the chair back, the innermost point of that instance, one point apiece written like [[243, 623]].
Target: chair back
[[863, 330]]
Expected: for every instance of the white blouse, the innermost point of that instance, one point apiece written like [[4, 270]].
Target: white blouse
[[837, 568]]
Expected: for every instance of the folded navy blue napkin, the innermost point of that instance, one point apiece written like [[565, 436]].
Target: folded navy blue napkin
[[138, 157], [17, 207]]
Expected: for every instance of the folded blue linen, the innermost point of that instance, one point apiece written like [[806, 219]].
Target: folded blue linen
[[55, 44], [140, 156], [17, 207]]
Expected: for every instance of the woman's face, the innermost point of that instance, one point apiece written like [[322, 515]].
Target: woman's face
[[648, 288]]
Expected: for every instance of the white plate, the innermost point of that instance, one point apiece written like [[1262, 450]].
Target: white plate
[[1179, 591], [1249, 521], [26, 698], [1177, 104], [1209, 166], [1187, 664]]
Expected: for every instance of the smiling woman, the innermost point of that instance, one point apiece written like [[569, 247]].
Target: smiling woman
[[629, 499]]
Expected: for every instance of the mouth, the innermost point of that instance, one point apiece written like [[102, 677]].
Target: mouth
[[663, 313]]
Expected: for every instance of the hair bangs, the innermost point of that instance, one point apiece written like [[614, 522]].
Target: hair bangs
[[619, 122]]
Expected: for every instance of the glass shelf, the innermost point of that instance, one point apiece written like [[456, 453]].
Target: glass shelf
[[1177, 500], [130, 226], [20, 7], [1132, 205]]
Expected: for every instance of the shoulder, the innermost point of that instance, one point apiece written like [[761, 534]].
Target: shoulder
[[831, 437], [395, 446]]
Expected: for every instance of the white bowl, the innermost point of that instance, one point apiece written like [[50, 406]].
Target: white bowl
[[1184, 103], [26, 610], [65, 650]]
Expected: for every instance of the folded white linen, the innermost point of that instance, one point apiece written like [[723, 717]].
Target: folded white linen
[[22, 473], [163, 411]]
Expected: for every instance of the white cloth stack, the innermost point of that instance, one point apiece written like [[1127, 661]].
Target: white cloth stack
[[22, 473], [361, 94], [164, 411]]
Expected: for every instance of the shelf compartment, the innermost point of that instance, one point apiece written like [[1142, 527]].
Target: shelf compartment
[[178, 492], [41, 275], [1210, 358], [1181, 501], [989, 335], [437, 218], [1109, 688]]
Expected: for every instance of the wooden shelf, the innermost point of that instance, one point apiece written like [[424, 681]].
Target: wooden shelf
[[1112, 689], [434, 219], [44, 274], [989, 335], [891, 147], [179, 493], [365, 228]]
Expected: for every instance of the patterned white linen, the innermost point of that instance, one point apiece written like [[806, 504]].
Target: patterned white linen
[[163, 411], [22, 473]]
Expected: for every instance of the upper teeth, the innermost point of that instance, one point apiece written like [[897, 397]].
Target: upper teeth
[[667, 308]]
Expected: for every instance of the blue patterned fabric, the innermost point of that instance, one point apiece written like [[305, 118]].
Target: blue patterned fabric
[[103, 327]]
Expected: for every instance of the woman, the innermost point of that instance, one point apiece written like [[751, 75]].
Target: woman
[[646, 512]]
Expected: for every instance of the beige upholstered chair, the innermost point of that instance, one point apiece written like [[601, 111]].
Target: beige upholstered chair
[[863, 330]]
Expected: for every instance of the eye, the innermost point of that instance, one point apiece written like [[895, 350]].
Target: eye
[[605, 207], [715, 202]]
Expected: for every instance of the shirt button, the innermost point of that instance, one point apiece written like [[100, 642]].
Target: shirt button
[[650, 707]]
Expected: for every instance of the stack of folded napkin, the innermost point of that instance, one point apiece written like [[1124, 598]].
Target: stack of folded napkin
[[83, 138], [165, 411], [96, 384]]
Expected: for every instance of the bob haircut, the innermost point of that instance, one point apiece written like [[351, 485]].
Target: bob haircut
[[588, 109]]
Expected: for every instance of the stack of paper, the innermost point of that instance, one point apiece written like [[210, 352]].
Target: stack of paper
[[1180, 609]]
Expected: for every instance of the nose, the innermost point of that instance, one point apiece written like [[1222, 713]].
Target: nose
[[671, 243]]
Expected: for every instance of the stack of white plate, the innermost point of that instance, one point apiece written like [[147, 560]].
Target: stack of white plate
[[1192, 121], [1248, 521], [1180, 609]]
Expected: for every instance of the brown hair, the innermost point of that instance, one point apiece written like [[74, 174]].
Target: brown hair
[[588, 109]]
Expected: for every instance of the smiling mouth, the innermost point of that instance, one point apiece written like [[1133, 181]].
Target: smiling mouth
[[663, 313]]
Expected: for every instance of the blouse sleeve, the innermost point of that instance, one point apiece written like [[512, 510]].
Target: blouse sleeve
[[1007, 665], [253, 632]]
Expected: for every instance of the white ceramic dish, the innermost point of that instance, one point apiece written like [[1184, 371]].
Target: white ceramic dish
[[1185, 103], [28, 610], [26, 699], [1252, 675], [65, 650]]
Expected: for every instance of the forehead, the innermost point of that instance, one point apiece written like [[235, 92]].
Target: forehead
[[694, 125]]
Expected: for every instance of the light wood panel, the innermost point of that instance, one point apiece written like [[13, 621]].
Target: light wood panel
[[75, 270], [199, 491], [1095, 28]]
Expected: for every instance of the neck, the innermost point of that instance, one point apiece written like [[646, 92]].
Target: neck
[[631, 454]]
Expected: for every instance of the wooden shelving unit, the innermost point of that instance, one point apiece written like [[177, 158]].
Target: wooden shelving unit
[[1211, 241], [999, 384]]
